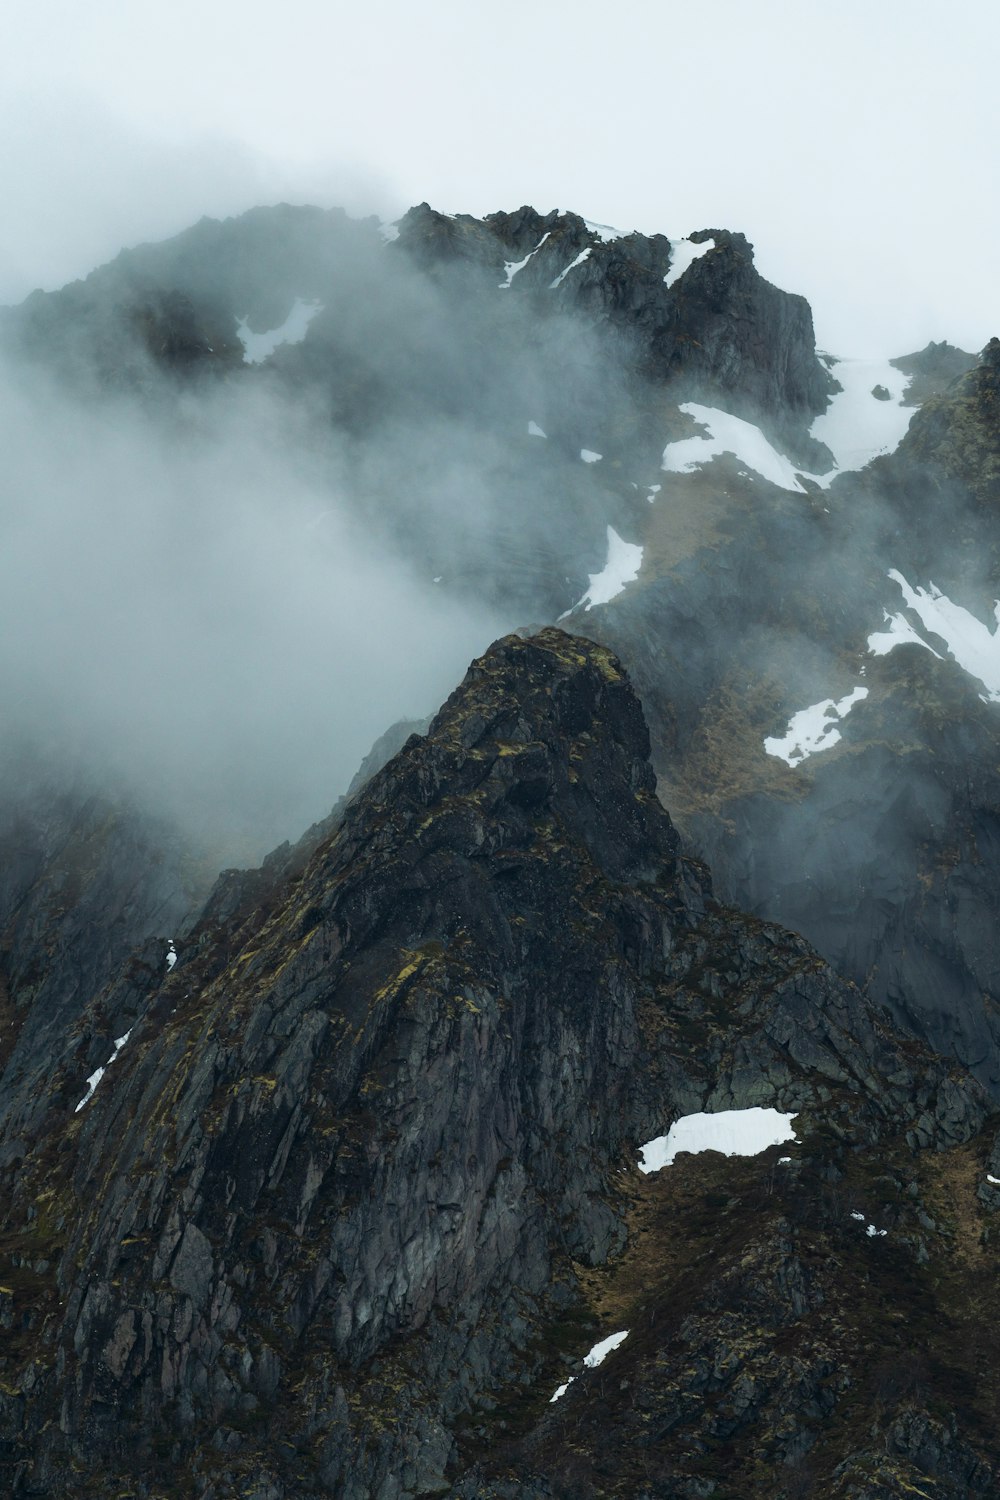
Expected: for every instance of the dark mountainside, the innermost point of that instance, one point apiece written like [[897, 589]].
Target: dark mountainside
[[359, 1191], [357, 1187]]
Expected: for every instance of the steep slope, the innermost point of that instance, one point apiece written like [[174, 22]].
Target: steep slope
[[84, 880], [458, 369], [874, 831], [358, 1186], [629, 432]]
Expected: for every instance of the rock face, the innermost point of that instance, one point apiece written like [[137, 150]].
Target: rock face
[[83, 882], [759, 602], [357, 1190], [719, 334], [173, 307], [431, 363], [334, 1203]]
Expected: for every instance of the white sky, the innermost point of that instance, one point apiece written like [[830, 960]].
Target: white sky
[[855, 143]]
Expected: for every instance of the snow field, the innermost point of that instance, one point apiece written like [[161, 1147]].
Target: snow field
[[259, 346], [511, 267], [595, 1357], [729, 434], [621, 568], [584, 255], [972, 644], [683, 254], [734, 1132], [858, 426], [99, 1073], [813, 729]]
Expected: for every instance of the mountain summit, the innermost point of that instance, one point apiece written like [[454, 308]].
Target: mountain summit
[[358, 1187], [479, 1142]]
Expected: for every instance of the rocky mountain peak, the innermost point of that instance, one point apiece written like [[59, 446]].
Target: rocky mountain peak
[[333, 1199], [327, 1184]]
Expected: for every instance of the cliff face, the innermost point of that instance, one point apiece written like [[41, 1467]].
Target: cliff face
[[717, 333], [83, 881], [358, 1187], [756, 602], [334, 1202]]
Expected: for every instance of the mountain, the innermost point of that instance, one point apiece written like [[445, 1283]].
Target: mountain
[[358, 1188], [324, 1178]]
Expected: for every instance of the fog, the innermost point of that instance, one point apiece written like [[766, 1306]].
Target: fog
[[853, 145], [217, 590], [194, 616]]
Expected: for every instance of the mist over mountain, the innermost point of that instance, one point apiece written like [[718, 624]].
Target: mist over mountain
[[323, 1174]]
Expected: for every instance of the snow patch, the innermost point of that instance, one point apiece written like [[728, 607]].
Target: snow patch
[[604, 231], [534, 430], [584, 255], [389, 232], [899, 633], [511, 267], [259, 346], [99, 1073], [600, 1351], [734, 1132], [589, 456], [813, 729], [171, 954], [652, 491], [858, 426], [729, 434], [995, 1180], [871, 1231], [684, 253], [621, 568], [973, 645], [595, 1357]]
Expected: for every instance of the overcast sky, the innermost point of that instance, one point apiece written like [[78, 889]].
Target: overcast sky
[[856, 143]]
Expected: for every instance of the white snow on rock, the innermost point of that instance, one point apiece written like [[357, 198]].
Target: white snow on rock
[[621, 568], [595, 1357], [684, 253], [259, 346], [856, 1215], [171, 954], [857, 426], [995, 1180], [511, 267], [534, 430], [99, 1073], [729, 434], [734, 1132], [589, 456], [600, 1351], [389, 232], [584, 255], [899, 632], [604, 231], [973, 645], [813, 729], [873, 1233], [652, 491]]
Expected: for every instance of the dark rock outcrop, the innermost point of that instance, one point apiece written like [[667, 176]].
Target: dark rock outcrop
[[719, 334], [84, 881], [757, 602], [336, 1216]]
